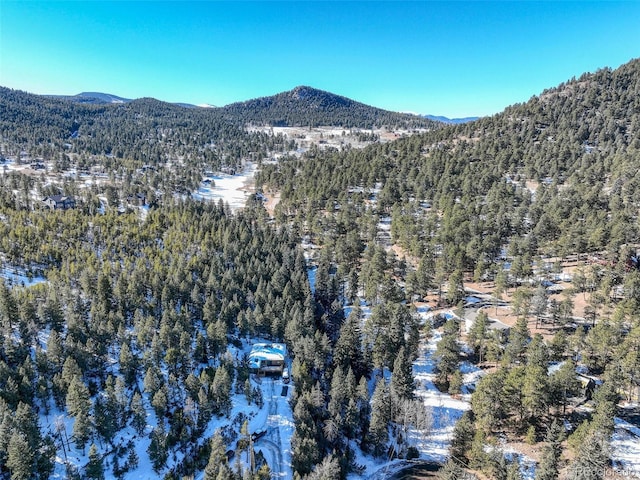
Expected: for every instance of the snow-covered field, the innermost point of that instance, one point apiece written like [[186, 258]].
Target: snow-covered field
[[231, 189]]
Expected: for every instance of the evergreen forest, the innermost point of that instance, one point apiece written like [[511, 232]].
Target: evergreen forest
[[133, 329]]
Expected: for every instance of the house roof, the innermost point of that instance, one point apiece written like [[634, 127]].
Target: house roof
[[58, 198], [266, 351]]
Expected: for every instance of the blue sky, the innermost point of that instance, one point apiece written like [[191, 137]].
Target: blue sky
[[447, 58]]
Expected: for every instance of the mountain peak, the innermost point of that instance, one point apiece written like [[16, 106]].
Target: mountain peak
[[308, 106], [303, 92]]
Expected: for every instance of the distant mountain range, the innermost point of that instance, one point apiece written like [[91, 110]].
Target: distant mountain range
[[100, 123], [284, 108], [95, 98], [439, 118]]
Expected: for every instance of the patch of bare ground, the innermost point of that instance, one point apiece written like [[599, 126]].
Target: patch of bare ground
[[532, 186], [273, 199], [482, 287]]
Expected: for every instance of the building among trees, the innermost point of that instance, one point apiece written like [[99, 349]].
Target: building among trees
[[267, 357], [59, 202]]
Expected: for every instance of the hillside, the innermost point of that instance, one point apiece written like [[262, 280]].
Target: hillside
[[93, 98], [100, 124], [503, 202], [125, 327], [306, 106], [558, 172]]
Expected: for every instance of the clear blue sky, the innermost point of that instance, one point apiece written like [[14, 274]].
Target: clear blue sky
[[447, 58]]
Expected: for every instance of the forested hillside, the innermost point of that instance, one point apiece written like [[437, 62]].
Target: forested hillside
[[555, 175], [137, 315], [143, 131], [504, 199], [133, 331], [308, 107]]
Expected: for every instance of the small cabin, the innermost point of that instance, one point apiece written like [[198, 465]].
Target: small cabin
[[139, 199], [267, 358]]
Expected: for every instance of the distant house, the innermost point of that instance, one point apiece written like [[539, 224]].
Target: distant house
[[267, 358], [59, 202], [138, 199]]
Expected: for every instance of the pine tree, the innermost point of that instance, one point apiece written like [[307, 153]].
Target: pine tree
[[518, 340], [217, 457], [26, 421], [478, 335], [139, 414], [380, 417], [132, 459], [128, 364], [452, 470], [328, 469], [456, 383], [549, 467], [348, 349], [563, 383], [79, 406], [94, 469], [592, 459], [478, 458], [535, 395], [487, 401], [160, 401], [402, 382], [158, 451], [447, 354], [455, 288], [539, 302], [21, 457], [463, 433], [221, 391]]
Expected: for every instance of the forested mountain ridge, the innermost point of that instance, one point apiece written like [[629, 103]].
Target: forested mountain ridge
[[150, 131], [143, 130], [545, 172], [93, 98], [503, 199], [305, 106], [440, 118]]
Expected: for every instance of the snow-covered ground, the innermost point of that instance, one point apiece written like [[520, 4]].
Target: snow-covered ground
[[625, 448], [18, 277], [446, 409], [275, 417], [231, 189]]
